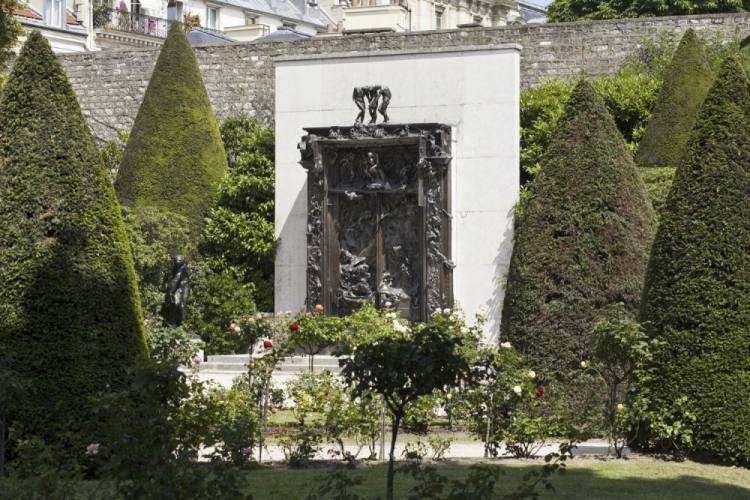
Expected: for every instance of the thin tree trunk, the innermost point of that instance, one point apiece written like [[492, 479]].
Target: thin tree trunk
[[382, 432], [263, 405], [2, 446], [392, 457], [490, 410]]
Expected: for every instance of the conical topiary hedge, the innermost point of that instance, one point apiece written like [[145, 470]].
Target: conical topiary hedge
[[697, 292], [686, 81], [174, 158], [70, 320], [581, 240]]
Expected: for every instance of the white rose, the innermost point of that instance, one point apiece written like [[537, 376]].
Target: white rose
[[390, 315], [517, 390], [464, 329], [532, 374], [438, 311], [237, 328], [399, 327], [505, 345], [584, 364], [92, 449], [446, 311]]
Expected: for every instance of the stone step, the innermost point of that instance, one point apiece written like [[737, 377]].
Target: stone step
[[239, 369], [296, 360], [237, 364]]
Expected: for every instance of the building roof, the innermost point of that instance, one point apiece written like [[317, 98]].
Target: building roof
[[532, 13], [29, 13], [198, 36], [302, 11], [283, 33]]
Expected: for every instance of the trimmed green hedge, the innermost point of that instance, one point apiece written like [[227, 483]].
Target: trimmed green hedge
[[658, 180], [686, 82], [174, 158], [581, 241], [697, 291], [70, 320]]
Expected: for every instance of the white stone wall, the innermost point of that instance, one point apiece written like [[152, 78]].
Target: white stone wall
[[473, 89]]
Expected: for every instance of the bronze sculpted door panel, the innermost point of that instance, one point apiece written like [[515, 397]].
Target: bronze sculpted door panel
[[379, 217]]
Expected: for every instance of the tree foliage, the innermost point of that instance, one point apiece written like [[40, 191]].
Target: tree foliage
[[174, 158], [697, 291], [155, 237], [239, 234], [581, 241], [575, 10], [403, 364], [686, 82], [629, 96], [70, 318], [10, 30]]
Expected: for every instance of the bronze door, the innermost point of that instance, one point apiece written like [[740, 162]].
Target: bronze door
[[379, 218]]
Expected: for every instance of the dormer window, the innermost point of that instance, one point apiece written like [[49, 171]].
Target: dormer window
[[212, 18], [54, 13]]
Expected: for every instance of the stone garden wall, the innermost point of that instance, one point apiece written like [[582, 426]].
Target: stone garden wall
[[239, 77]]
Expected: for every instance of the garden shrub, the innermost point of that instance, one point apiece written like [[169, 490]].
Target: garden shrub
[[506, 402], [621, 351], [581, 240], [696, 299], [112, 151], [686, 81], [629, 97], [239, 234], [657, 180], [339, 416], [216, 300], [158, 425], [313, 332], [70, 317], [155, 236], [405, 361], [174, 158]]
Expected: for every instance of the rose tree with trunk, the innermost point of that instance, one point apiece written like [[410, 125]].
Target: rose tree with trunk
[[403, 364]]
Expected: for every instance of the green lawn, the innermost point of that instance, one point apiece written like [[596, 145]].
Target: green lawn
[[585, 479]]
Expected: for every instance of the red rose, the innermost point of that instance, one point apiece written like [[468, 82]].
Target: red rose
[[267, 343], [539, 391], [294, 327], [279, 430], [220, 395]]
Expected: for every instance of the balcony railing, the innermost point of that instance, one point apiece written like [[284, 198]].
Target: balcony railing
[[131, 22]]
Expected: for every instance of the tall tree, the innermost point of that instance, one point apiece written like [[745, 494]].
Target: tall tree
[[70, 320], [686, 82], [239, 234], [10, 30], [174, 158], [696, 298], [574, 10], [581, 241]]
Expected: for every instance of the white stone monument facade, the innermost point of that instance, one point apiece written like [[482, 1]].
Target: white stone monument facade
[[472, 90]]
